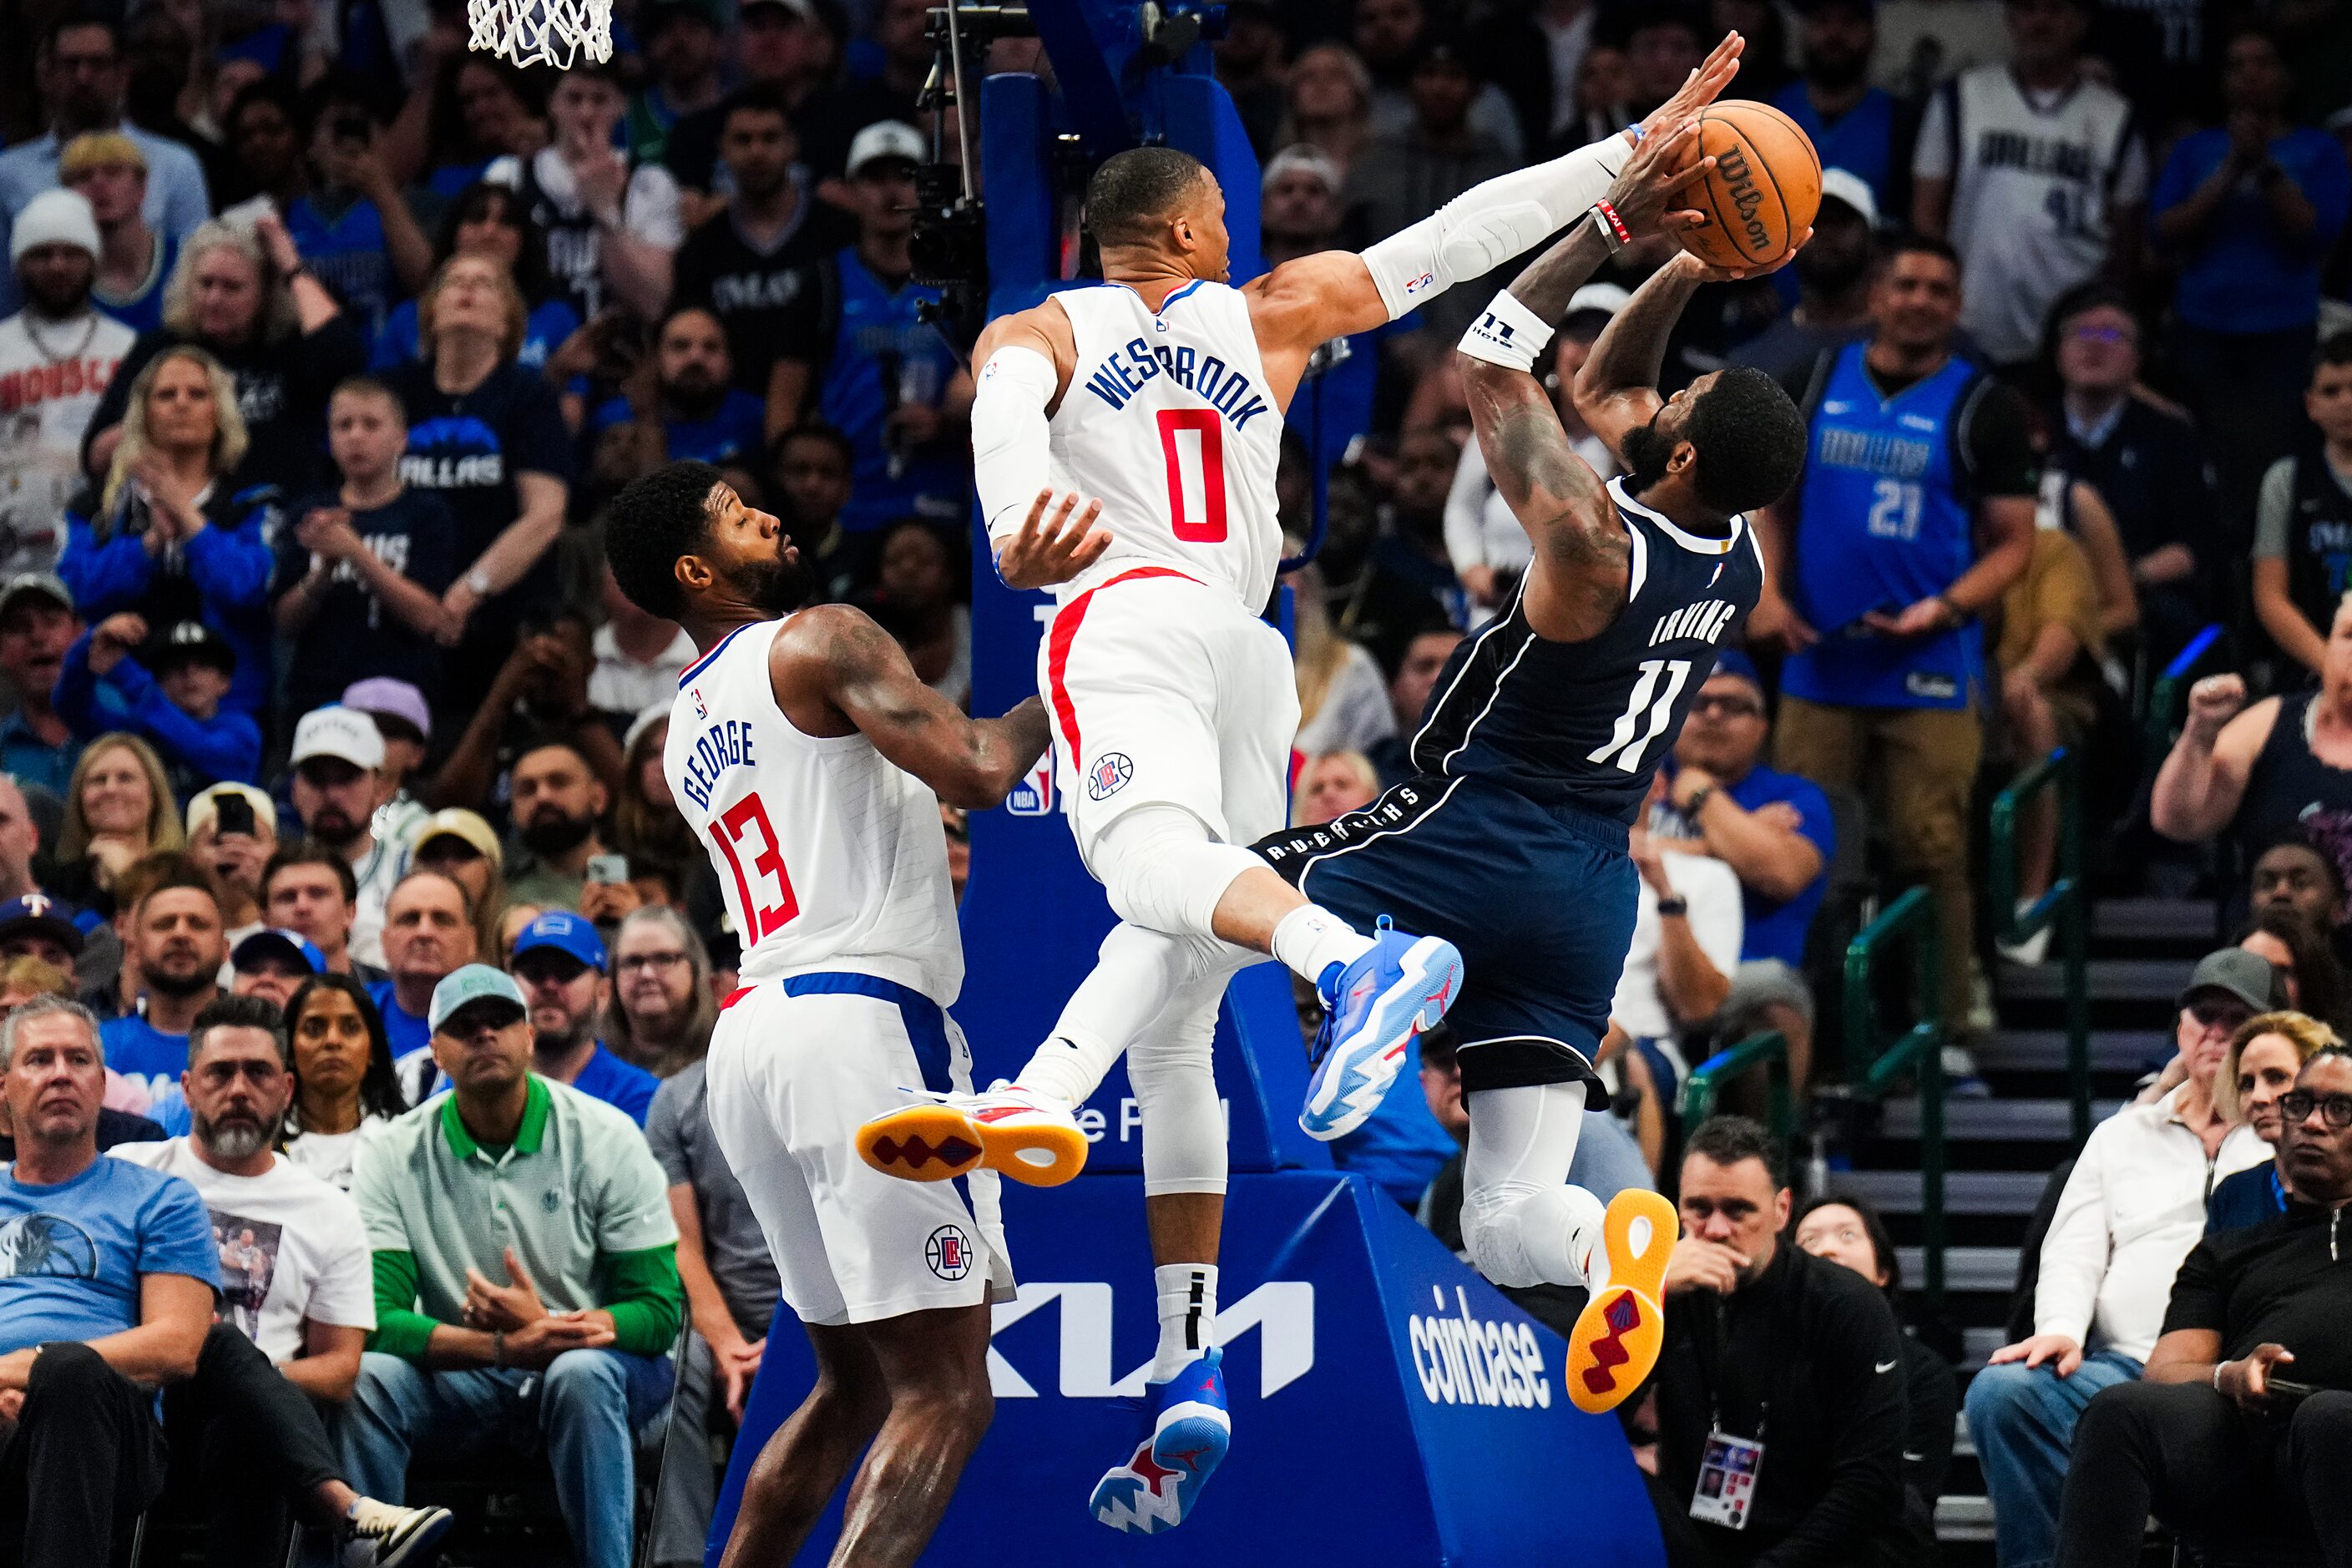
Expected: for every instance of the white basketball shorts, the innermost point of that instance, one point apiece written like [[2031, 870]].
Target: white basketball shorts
[[1163, 690], [791, 1078]]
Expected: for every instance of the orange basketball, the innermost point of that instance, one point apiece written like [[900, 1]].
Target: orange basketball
[[1763, 191]]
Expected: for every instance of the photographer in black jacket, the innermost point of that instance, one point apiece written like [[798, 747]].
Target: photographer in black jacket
[[1780, 1393], [2240, 1426]]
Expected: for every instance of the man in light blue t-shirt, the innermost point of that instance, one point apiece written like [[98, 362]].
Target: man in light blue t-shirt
[[108, 1275]]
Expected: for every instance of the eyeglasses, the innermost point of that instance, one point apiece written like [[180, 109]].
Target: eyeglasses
[[638, 962], [1733, 706], [2300, 1103], [2103, 335]]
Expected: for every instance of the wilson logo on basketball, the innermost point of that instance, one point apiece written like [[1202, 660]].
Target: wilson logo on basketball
[[1739, 181]]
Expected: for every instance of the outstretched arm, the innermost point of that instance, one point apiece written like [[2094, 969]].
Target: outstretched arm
[[1578, 582], [834, 672], [1301, 304], [1618, 387]]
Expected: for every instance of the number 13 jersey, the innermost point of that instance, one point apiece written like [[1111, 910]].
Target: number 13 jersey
[[830, 856], [1169, 420]]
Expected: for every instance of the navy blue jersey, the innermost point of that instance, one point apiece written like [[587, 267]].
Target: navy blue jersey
[[1585, 723]]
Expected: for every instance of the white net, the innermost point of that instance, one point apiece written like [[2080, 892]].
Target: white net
[[542, 32]]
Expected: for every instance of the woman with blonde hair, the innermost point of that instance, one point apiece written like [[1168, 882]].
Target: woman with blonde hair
[[1332, 786], [471, 320], [172, 538], [1343, 699], [240, 293], [118, 810], [1331, 104], [661, 1012], [2264, 1054]]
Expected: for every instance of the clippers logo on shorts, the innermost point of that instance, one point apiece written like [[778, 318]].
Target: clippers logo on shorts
[[949, 1252], [1109, 775]]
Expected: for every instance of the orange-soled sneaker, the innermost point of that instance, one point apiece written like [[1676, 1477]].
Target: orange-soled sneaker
[[1030, 1138], [1618, 1336]]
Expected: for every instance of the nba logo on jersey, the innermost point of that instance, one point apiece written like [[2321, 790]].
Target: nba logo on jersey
[[949, 1253], [1033, 796], [702, 710], [1109, 775]]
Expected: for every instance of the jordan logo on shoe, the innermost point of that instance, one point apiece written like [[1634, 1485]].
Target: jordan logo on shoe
[[1622, 1315]]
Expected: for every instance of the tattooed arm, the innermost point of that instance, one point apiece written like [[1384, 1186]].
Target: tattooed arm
[[1618, 387], [1577, 583], [834, 672]]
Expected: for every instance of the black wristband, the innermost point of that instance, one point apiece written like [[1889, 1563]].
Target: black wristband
[[1677, 905]]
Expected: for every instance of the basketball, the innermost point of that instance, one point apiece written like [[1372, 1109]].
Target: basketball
[[1763, 191]]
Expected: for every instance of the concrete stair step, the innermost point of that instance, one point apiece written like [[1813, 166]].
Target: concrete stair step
[[2112, 980], [2022, 1119], [2044, 1050], [1959, 1518], [2184, 920], [1965, 1191], [1978, 1270]]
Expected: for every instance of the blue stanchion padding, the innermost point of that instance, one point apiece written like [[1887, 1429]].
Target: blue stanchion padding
[[1388, 1407]]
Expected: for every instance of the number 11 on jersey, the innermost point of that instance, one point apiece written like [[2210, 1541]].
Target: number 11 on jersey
[[767, 864]]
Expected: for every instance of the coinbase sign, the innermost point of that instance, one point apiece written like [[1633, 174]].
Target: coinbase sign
[[1389, 1407]]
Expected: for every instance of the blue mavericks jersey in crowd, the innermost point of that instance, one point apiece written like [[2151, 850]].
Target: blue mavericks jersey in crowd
[[1885, 523], [347, 253], [883, 355], [735, 430], [1585, 723]]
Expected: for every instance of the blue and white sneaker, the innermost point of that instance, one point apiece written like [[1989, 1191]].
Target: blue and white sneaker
[[1182, 1445], [1372, 1011]]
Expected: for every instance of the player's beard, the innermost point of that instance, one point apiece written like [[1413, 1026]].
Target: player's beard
[[1647, 452], [777, 586]]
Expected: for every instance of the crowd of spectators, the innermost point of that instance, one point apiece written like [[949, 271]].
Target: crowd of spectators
[[324, 339]]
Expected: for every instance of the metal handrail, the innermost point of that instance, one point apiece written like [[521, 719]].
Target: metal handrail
[[1705, 1084], [1919, 1053], [2067, 905], [2164, 696]]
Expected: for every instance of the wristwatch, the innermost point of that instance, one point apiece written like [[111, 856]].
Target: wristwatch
[[1677, 905], [480, 581], [1697, 802]]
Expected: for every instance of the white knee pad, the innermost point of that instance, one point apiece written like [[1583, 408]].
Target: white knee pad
[[1163, 870], [1519, 1235], [1175, 1082]]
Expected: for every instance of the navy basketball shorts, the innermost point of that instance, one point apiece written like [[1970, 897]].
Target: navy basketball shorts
[[1540, 900]]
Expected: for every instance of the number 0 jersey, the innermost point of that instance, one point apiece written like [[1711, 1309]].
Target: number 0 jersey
[[1169, 420], [1585, 723], [830, 856]]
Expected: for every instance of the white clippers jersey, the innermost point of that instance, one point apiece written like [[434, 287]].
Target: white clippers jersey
[[830, 856], [1169, 420]]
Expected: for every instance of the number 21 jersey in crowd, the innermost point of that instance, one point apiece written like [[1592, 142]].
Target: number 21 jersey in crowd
[[1169, 420], [830, 857]]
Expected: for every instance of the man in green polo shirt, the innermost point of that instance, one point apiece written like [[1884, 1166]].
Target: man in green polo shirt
[[510, 1177]]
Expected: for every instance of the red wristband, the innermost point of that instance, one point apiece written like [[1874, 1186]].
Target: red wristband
[[1612, 228]]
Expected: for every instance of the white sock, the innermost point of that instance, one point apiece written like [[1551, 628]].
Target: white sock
[[1188, 1316], [1310, 938]]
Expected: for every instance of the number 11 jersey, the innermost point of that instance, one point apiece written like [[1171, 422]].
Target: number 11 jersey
[[830, 856], [1585, 723], [1168, 419]]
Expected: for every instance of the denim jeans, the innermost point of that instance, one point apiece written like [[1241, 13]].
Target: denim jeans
[[2023, 1424], [582, 1413]]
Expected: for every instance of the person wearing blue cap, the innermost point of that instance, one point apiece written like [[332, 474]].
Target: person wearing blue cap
[[272, 962], [1772, 828], [559, 961]]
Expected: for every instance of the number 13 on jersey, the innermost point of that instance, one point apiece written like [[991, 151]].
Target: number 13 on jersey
[[749, 817]]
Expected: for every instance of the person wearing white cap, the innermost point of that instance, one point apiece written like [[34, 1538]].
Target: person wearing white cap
[[337, 758], [1833, 274], [57, 355], [1483, 538], [891, 384]]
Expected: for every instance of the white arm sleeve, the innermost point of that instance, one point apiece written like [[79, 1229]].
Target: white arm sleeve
[[1488, 224], [1010, 447]]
